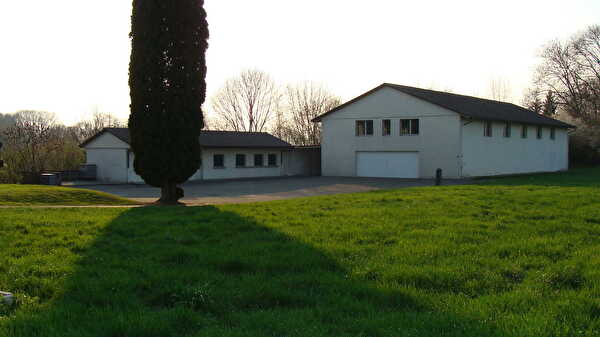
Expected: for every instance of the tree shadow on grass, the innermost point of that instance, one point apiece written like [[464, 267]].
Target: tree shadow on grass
[[204, 272]]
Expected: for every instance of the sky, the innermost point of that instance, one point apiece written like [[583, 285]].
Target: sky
[[71, 57]]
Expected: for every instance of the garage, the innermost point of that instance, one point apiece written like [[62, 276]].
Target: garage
[[387, 164]]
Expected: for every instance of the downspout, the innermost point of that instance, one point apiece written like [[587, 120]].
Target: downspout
[[460, 157]]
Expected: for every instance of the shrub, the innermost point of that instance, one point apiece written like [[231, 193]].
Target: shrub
[[9, 177]]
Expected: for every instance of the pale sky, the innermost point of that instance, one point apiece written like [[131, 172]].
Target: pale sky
[[71, 57]]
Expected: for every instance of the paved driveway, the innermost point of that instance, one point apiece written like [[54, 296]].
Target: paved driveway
[[239, 191]]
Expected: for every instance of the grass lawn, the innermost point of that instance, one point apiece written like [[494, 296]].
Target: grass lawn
[[485, 260], [21, 195]]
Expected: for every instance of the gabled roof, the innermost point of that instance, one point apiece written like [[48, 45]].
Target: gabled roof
[[214, 139], [467, 106]]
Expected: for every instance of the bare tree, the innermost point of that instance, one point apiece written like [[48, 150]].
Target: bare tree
[[500, 90], [31, 139], [571, 71], [247, 102], [305, 101], [99, 120]]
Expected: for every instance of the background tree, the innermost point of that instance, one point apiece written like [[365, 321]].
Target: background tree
[[248, 102], [568, 83], [31, 138], [550, 106], [99, 120], [305, 101], [570, 70], [167, 87], [500, 90], [531, 100]]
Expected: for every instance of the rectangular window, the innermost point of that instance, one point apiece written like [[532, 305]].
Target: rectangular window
[[240, 160], [507, 129], [409, 127], [487, 129], [539, 132], [386, 127], [258, 160], [219, 160], [524, 131], [552, 133], [364, 128], [414, 126], [127, 158], [272, 159]]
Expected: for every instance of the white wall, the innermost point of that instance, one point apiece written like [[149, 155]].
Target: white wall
[[109, 154], [134, 178], [438, 142], [496, 155], [301, 162], [232, 172]]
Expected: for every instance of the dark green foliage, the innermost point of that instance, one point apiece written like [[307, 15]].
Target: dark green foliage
[[167, 81]]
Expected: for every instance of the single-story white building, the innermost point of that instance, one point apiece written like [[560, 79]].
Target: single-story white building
[[225, 155], [406, 132]]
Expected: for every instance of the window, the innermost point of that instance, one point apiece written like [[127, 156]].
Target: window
[[507, 129], [240, 160], [487, 129], [272, 159], [524, 131], [552, 133], [219, 160], [386, 127], [258, 160], [364, 128], [127, 157], [539, 132], [409, 127]]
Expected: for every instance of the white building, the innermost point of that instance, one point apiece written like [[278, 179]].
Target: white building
[[406, 132], [225, 155]]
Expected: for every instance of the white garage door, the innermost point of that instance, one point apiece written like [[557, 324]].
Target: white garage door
[[387, 164]]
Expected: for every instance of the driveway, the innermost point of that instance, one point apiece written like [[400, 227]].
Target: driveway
[[265, 189]]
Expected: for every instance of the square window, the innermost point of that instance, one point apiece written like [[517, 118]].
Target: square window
[[524, 131], [240, 160], [386, 127], [539, 132], [258, 160], [507, 129], [219, 160], [409, 127], [364, 128], [487, 129], [272, 159]]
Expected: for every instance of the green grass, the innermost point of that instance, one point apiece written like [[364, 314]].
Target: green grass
[[584, 177], [491, 260], [20, 195]]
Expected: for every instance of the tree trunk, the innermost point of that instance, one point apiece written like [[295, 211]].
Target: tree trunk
[[170, 194]]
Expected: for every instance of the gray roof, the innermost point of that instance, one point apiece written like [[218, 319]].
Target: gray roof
[[468, 106], [215, 139]]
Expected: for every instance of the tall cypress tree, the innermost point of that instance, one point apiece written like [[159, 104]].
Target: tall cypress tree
[[167, 84]]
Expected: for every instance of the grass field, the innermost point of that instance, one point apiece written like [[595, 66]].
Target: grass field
[[29, 195], [489, 260]]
